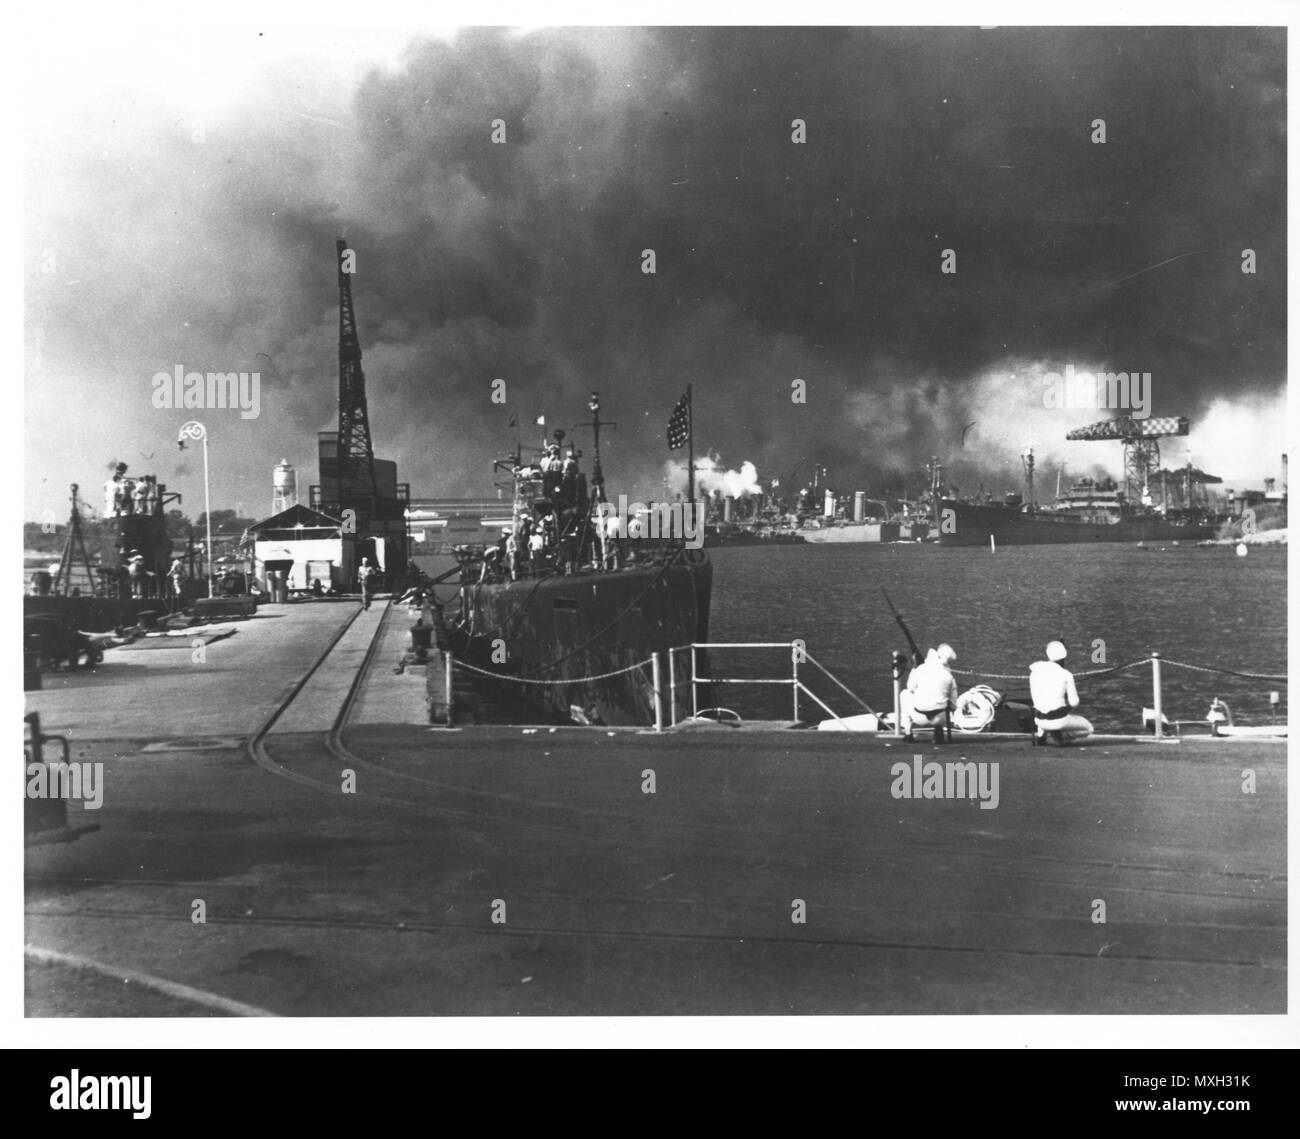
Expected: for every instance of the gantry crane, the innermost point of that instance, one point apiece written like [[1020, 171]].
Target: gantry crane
[[1141, 439]]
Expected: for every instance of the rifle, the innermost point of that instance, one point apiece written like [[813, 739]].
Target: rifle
[[917, 658]]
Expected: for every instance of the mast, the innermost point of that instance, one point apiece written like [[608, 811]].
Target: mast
[[690, 446], [73, 549], [1027, 456], [597, 475]]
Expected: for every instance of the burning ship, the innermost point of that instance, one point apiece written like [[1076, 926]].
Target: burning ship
[[1090, 510]]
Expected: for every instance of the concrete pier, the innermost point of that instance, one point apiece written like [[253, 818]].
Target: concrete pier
[[501, 871]]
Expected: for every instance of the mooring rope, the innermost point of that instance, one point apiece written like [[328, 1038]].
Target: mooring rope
[[1225, 671], [1025, 676], [1124, 667], [525, 680]]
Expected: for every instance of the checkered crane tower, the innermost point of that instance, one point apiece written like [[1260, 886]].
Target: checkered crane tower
[[1141, 439]]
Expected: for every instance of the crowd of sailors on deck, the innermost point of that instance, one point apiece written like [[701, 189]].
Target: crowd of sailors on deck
[[563, 533], [125, 497]]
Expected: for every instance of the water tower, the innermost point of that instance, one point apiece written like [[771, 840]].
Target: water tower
[[284, 493]]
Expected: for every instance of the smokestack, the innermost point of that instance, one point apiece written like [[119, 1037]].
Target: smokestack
[[728, 503], [829, 511], [859, 506]]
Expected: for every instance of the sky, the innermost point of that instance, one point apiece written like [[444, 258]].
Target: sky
[[184, 190]]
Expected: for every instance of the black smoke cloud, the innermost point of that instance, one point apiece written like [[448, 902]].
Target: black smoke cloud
[[775, 261]]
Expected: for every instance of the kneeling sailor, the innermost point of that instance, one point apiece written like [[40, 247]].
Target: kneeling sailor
[[1051, 688]]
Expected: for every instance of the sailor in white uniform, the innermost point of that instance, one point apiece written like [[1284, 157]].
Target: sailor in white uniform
[[1051, 688], [931, 694]]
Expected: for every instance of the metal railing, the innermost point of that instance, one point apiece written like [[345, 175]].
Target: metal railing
[[798, 655]]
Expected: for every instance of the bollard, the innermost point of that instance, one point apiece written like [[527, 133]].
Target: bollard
[[1155, 695], [659, 692], [448, 661], [898, 694]]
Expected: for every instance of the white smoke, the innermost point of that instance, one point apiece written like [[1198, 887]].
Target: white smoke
[[711, 475], [1241, 440]]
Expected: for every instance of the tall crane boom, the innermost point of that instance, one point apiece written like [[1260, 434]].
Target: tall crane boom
[[356, 456], [1126, 427]]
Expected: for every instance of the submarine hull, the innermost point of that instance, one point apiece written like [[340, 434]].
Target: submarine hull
[[555, 641]]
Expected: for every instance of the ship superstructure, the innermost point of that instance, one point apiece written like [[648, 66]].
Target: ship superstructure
[[564, 611]]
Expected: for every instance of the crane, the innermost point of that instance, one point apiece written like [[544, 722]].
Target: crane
[[356, 457], [1141, 439], [354, 485]]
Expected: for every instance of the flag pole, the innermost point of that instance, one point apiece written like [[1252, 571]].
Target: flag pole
[[690, 447]]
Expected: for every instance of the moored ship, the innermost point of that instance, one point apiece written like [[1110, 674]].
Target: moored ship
[[1091, 510], [565, 610], [1077, 518]]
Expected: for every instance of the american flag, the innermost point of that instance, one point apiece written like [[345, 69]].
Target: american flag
[[679, 423]]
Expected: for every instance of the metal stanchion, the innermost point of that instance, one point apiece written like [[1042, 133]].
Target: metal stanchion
[[448, 661], [1155, 695], [695, 697], [794, 678], [672, 687], [898, 694], [659, 692]]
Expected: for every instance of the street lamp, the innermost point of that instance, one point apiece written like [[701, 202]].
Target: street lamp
[[195, 430]]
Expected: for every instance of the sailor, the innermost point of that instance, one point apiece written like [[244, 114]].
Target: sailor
[[523, 538], [512, 551], [113, 492], [125, 494], [611, 545], [569, 478], [1051, 688], [551, 471], [551, 527], [931, 694], [364, 575], [176, 574], [135, 571], [537, 544]]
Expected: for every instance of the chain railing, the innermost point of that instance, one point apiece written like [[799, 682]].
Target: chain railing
[[799, 655]]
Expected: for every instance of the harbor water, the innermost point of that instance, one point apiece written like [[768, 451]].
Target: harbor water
[[1110, 604]]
